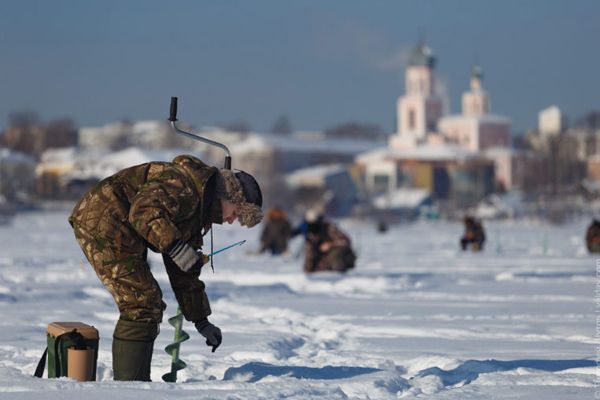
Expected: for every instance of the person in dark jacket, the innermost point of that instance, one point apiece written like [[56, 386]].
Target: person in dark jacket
[[166, 207], [474, 235], [326, 247], [592, 237], [276, 232]]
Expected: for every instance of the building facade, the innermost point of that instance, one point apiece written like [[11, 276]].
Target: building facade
[[476, 129], [419, 109]]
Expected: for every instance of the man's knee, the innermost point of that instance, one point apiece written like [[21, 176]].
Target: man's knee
[[142, 331], [147, 312]]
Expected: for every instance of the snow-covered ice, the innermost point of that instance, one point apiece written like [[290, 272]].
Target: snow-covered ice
[[417, 318]]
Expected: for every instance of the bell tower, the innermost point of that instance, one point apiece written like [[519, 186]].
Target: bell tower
[[420, 108], [476, 102]]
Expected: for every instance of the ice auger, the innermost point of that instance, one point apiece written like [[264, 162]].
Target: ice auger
[[180, 335], [173, 348], [177, 321]]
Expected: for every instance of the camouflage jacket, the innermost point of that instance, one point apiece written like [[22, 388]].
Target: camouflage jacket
[[151, 205], [162, 202]]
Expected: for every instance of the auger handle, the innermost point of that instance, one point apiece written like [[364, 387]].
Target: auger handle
[[173, 119], [173, 115]]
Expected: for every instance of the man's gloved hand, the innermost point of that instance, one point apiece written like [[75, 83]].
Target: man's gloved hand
[[205, 259], [198, 267], [210, 332], [184, 256]]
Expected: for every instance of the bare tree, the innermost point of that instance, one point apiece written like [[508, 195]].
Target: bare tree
[[591, 120], [237, 125], [60, 133], [23, 133], [23, 119], [356, 130], [282, 125]]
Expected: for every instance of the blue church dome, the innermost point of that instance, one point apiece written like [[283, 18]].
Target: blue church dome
[[422, 56]]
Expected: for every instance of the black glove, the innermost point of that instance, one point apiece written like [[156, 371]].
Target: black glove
[[210, 332], [184, 256]]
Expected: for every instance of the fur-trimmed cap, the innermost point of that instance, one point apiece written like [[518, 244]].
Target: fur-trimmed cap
[[242, 190]]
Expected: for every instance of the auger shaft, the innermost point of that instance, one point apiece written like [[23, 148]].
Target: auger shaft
[[180, 336]]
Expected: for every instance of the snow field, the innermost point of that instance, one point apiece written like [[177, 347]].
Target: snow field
[[417, 318]]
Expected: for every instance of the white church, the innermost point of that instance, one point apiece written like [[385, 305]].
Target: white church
[[460, 158], [420, 119]]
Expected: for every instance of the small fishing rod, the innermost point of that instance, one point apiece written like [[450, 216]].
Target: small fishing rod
[[241, 242]]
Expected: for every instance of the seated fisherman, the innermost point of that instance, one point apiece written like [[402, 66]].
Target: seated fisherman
[[474, 234], [326, 247]]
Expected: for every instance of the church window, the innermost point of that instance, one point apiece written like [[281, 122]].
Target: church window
[[411, 119]]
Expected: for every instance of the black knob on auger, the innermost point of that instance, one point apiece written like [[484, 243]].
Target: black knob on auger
[[173, 116]]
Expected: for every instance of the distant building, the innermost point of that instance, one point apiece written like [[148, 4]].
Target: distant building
[[569, 154], [449, 173], [17, 175], [551, 122], [35, 139], [420, 108], [402, 204], [285, 154], [114, 135], [587, 142], [513, 168], [68, 173], [593, 168], [153, 135], [328, 187], [420, 118], [270, 157], [107, 164], [476, 128], [442, 155], [56, 170]]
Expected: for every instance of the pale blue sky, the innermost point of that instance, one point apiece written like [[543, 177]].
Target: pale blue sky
[[321, 62]]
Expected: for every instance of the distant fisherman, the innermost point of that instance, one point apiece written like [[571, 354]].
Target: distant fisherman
[[592, 237], [166, 207], [276, 232], [326, 247], [474, 235]]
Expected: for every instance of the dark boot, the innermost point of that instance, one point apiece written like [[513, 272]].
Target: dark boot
[[133, 343]]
